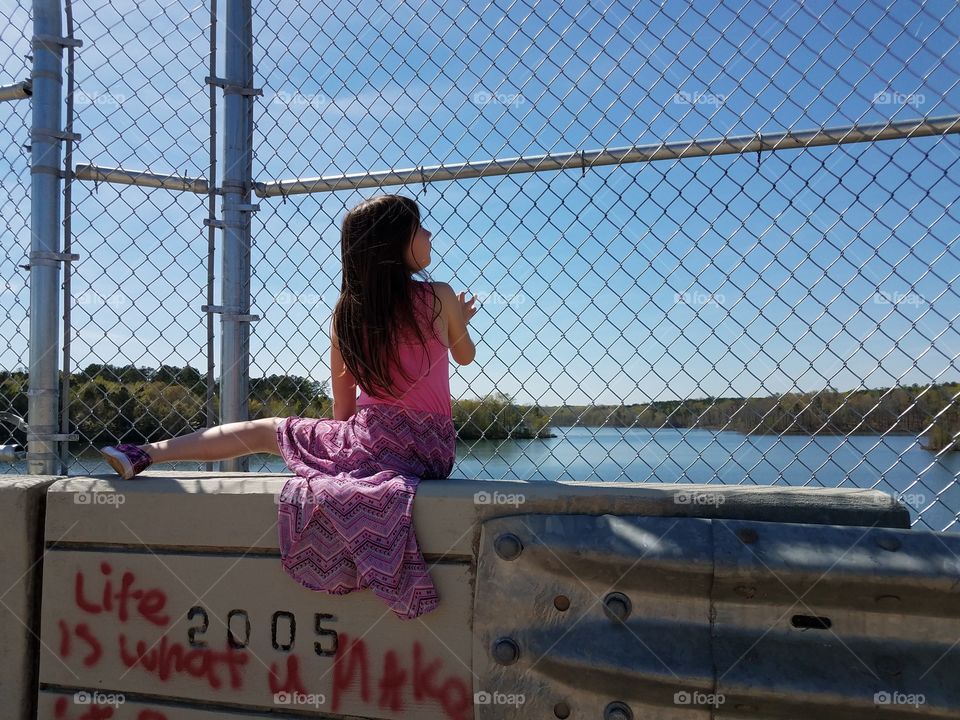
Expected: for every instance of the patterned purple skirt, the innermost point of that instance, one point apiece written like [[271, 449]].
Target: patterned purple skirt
[[346, 517]]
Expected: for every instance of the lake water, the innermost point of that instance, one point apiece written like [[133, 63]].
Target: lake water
[[895, 464]]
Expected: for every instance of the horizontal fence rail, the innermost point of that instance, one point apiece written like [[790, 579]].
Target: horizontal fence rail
[[17, 91], [819, 137], [141, 178], [560, 161]]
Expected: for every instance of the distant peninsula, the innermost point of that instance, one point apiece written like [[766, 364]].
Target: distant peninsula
[[930, 410]]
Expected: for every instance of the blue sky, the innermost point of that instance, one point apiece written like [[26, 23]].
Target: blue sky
[[647, 281]]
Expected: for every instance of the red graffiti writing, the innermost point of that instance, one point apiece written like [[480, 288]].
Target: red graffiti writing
[[165, 658], [392, 682], [83, 632], [149, 602], [293, 683], [350, 665], [64, 638], [351, 656], [96, 712]]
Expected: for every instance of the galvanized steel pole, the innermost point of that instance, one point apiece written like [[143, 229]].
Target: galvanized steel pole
[[237, 183], [45, 258]]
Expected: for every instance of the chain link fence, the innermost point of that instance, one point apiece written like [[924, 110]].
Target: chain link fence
[[14, 214], [710, 246], [142, 278]]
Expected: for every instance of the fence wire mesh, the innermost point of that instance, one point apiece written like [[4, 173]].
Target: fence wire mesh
[[784, 317], [15, 218], [138, 335]]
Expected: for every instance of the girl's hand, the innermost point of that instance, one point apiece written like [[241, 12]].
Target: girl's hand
[[466, 307]]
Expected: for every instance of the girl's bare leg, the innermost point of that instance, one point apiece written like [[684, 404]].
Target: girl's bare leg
[[221, 442]]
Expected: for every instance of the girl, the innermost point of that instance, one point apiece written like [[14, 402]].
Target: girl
[[345, 518]]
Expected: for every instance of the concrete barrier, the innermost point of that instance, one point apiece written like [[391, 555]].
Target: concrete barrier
[[22, 501], [164, 597]]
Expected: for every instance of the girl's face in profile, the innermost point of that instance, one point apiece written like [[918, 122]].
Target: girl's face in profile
[[417, 255]]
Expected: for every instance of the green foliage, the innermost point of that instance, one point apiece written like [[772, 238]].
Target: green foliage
[[137, 404], [915, 409], [495, 416], [130, 404], [13, 392], [945, 432], [283, 395]]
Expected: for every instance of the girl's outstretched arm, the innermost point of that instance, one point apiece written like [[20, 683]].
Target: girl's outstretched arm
[[458, 312], [343, 384]]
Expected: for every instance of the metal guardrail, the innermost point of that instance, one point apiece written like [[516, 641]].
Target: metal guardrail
[[691, 616]]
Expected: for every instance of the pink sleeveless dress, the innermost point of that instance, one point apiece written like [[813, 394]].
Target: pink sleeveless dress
[[428, 368], [345, 520]]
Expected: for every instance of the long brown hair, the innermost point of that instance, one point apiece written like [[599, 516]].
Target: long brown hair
[[376, 304]]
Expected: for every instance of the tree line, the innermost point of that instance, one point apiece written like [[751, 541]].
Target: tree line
[[111, 403], [137, 404], [912, 409]]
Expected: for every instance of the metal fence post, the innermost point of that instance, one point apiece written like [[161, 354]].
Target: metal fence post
[[237, 183], [45, 256]]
